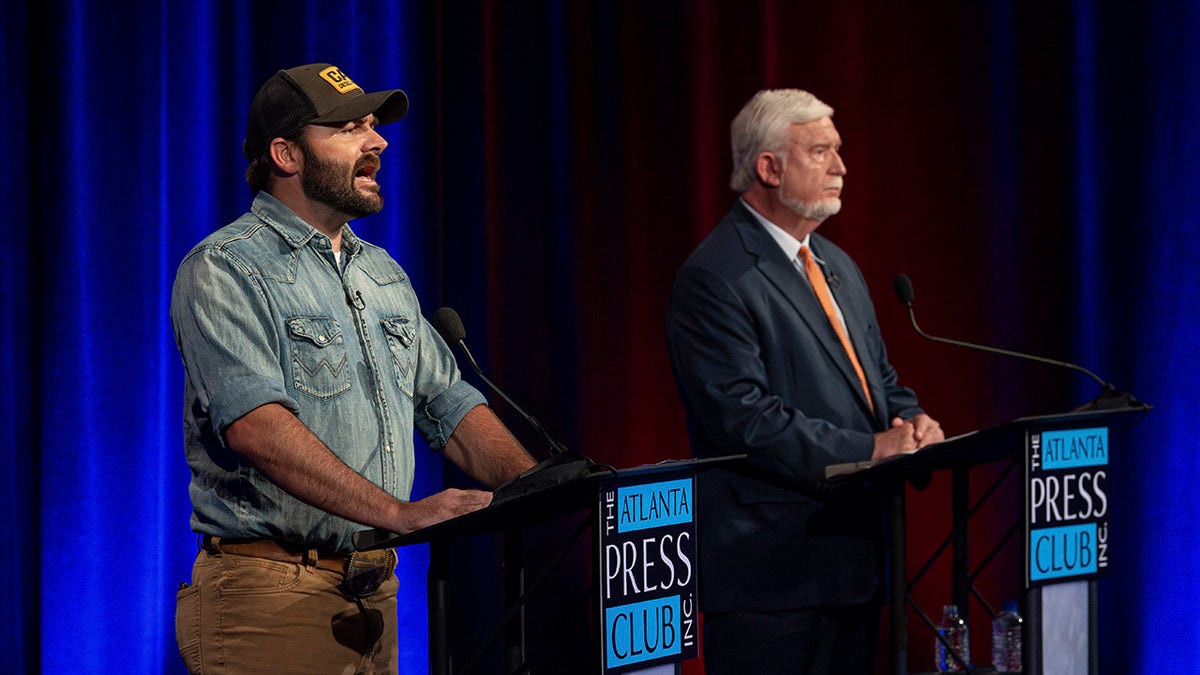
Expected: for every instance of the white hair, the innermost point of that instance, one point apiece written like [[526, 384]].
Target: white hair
[[762, 125]]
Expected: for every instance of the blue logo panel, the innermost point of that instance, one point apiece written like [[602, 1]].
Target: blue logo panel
[[643, 631], [1056, 552], [641, 507], [1072, 448]]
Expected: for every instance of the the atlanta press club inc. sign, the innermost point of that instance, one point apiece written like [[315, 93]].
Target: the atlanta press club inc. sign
[[647, 560], [1066, 506]]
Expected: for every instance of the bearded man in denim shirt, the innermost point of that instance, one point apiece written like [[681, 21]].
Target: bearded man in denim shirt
[[308, 366]]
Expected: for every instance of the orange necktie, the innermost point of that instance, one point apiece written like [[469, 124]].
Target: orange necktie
[[821, 288]]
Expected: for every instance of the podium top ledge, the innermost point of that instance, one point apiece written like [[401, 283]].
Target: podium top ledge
[[522, 503], [975, 447]]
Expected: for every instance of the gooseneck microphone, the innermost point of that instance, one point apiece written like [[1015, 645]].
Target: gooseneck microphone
[[1109, 396], [562, 466], [448, 324]]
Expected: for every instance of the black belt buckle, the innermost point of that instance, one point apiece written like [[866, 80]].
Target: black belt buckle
[[366, 570]]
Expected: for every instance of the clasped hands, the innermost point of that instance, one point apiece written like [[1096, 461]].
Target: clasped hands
[[907, 435]]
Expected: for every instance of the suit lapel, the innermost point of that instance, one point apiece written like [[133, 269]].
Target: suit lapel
[[783, 275]]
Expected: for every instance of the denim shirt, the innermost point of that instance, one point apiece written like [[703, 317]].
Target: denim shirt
[[262, 315]]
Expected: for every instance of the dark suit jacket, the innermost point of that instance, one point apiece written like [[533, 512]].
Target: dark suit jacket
[[761, 371]]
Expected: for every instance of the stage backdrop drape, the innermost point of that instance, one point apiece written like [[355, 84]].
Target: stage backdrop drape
[[1032, 167]]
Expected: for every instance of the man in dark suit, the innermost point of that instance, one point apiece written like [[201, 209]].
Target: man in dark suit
[[768, 367]]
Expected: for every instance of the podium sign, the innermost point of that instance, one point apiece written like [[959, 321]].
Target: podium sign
[[1066, 525], [647, 573], [1066, 505]]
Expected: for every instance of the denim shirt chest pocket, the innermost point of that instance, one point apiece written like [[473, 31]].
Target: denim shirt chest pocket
[[319, 362], [401, 334]]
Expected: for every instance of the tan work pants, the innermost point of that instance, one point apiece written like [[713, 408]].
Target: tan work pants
[[251, 615]]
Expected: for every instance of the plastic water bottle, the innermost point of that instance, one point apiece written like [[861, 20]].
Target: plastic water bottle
[[954, 630], [1006, 639]]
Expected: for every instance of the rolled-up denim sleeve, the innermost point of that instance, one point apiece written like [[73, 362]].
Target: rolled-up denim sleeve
[[441, 398], [438, 420], [230, 348]]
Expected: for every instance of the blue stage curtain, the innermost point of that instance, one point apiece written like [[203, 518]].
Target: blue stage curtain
[[1032, 168], [1149, 327]]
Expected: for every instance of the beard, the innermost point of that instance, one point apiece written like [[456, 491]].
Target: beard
[[333, 184], [817, 211]]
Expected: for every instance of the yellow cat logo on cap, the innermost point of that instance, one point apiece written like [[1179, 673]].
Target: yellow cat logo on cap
[[339, 80]]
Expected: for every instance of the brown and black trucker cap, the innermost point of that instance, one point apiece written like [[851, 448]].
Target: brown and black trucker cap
[[316, 93]]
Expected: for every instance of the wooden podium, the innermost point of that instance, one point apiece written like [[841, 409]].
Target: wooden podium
[[1064, 460], [648, 620]]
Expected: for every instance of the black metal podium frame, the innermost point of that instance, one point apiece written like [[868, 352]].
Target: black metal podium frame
[[1005, 442], [524, 502]]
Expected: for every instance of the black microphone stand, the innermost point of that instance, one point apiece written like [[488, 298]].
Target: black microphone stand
[[563, 465], [1109, 398]]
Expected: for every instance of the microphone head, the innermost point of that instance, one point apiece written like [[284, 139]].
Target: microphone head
[[449, 326], [904, 289]]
